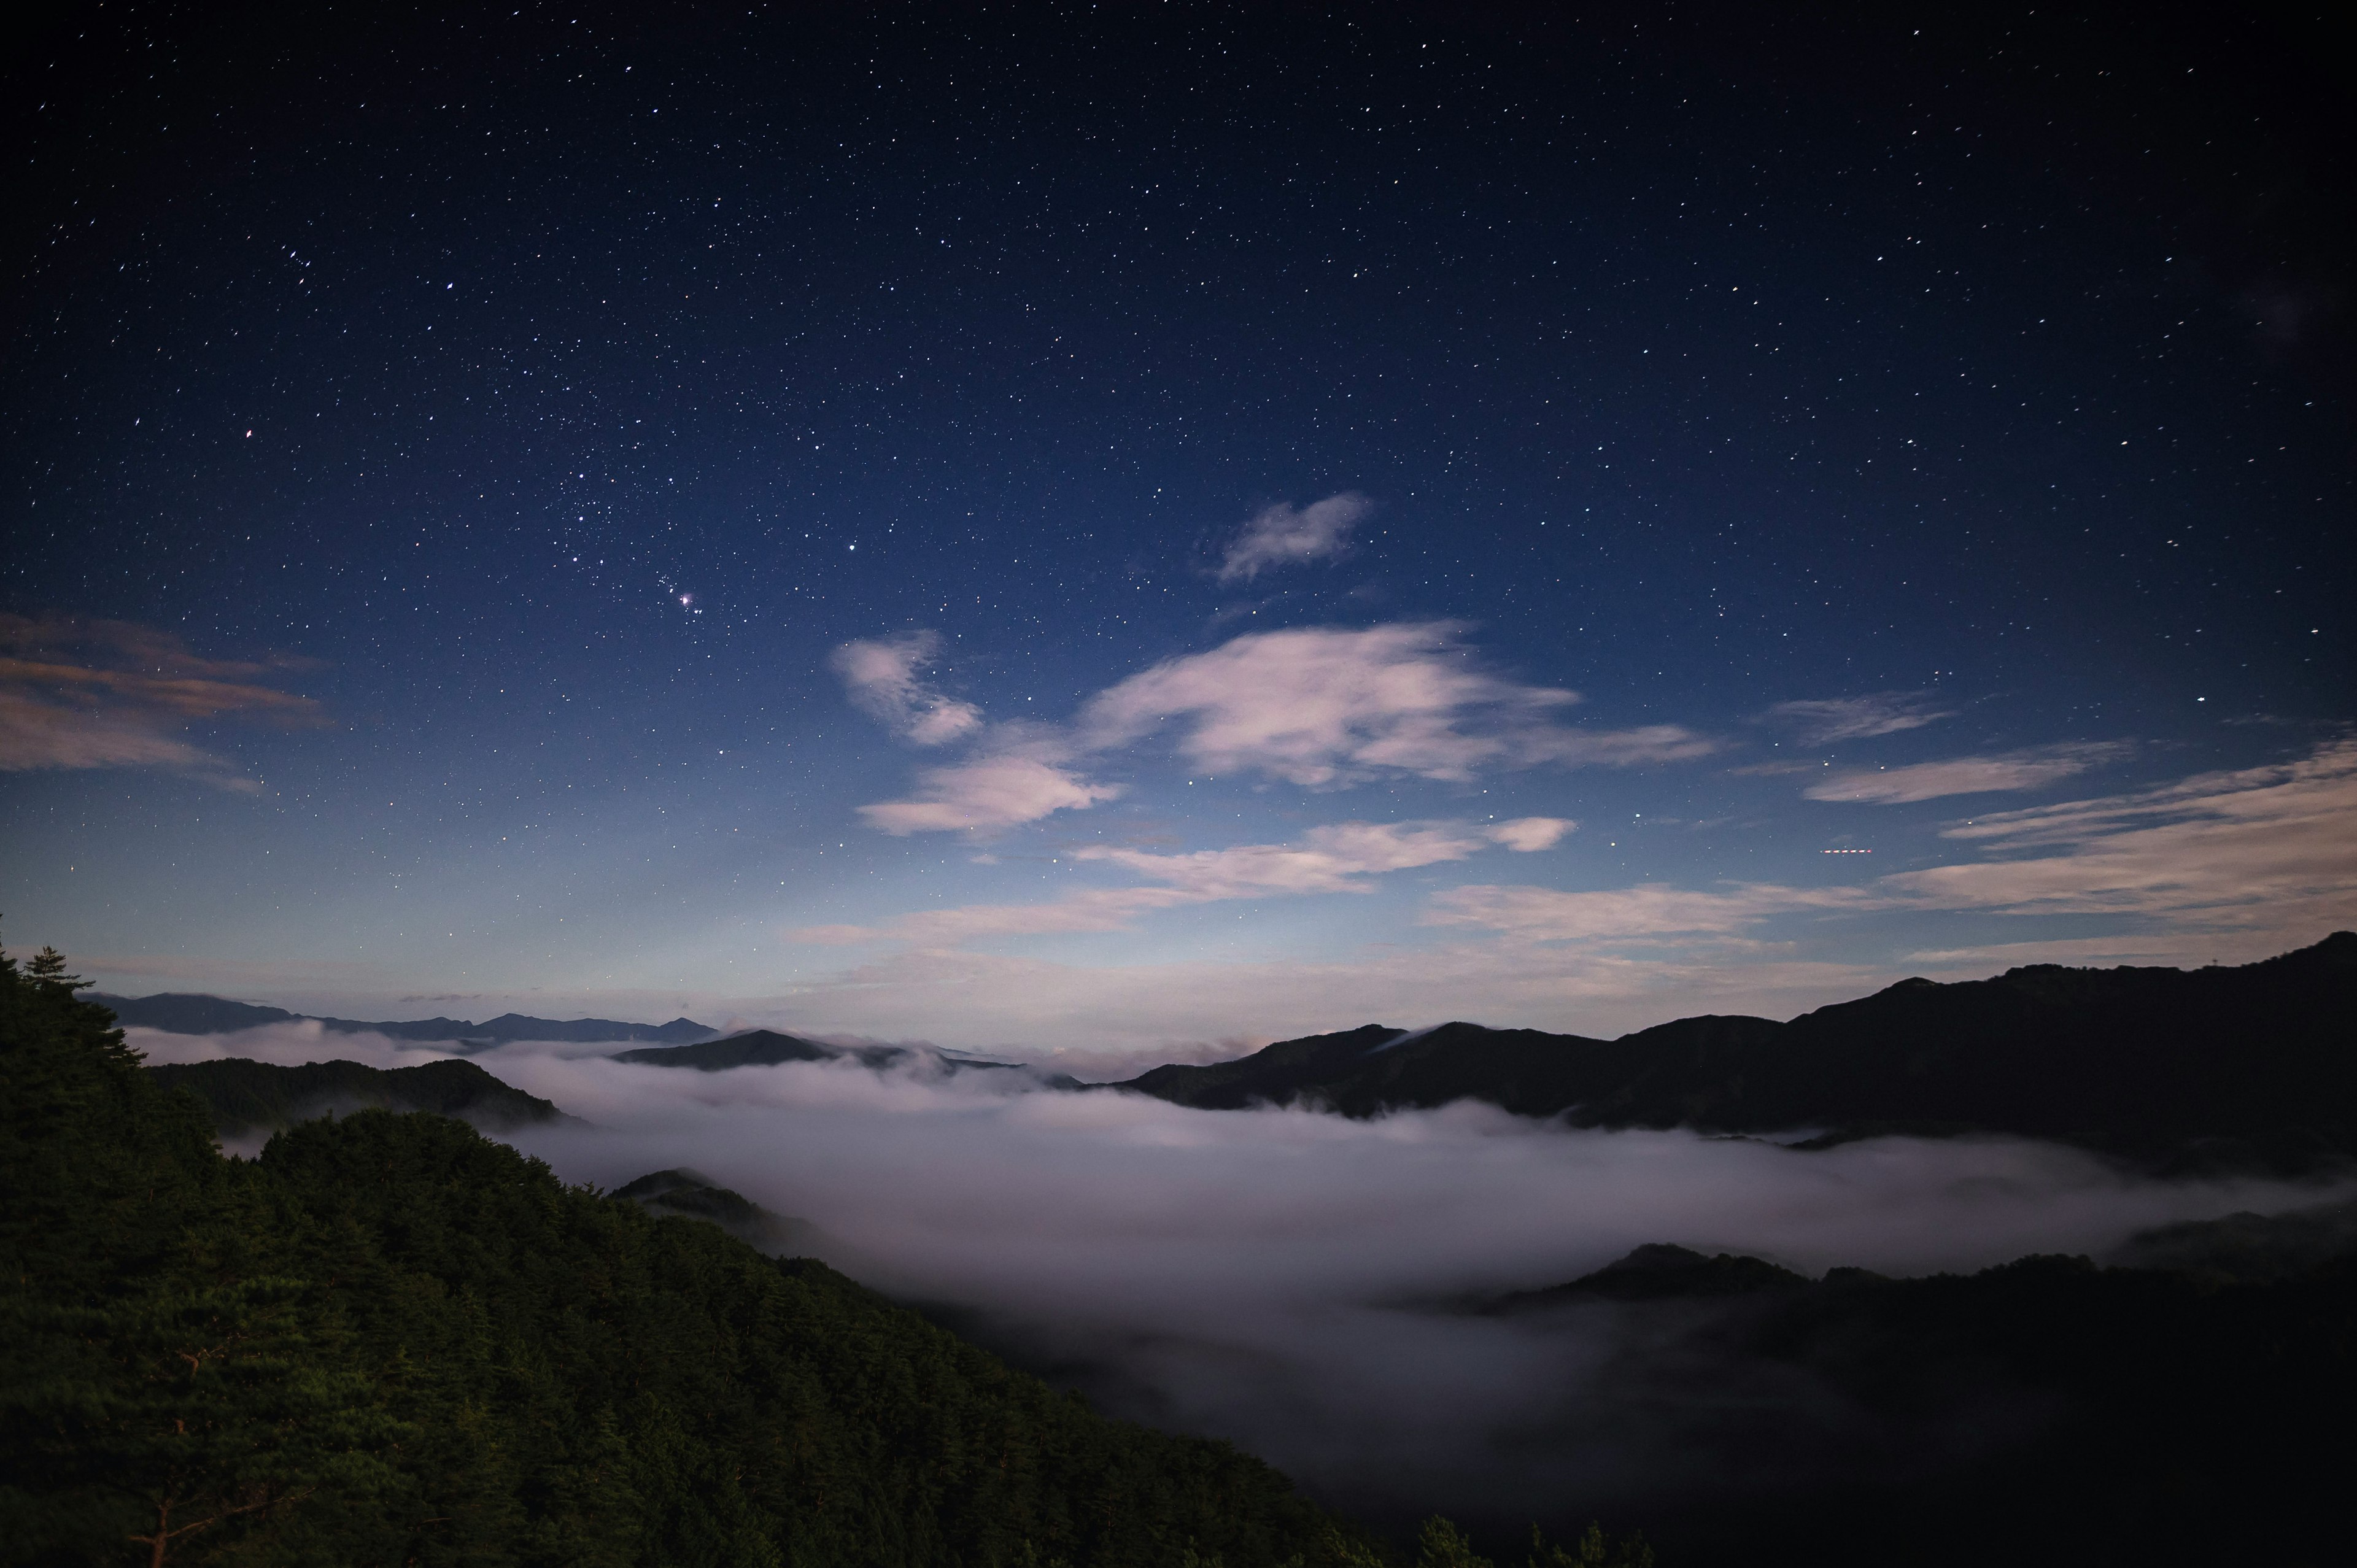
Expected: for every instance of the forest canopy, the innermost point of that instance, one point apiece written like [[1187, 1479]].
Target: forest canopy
[[390, 1340]]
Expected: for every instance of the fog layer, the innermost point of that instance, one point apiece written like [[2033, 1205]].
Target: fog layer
[[1288, 1279]]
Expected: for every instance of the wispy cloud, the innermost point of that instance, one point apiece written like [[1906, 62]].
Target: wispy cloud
[[1281, 536], [2270, 851], [1528, 835], [99, 693], [1322, 707], [881, 674], [1338, 857], [1822, 720], [1646, 915], [999, 790], [1327, 707], [2271, 847], [1965, 775]]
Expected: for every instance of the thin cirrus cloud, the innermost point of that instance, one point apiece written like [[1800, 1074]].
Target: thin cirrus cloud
[[1283, 536], [1819, 721], [2271, 848], [1337, 857], [1641, 915], [2269, 852], [78, 694], [1965, 775], [1322, 707]]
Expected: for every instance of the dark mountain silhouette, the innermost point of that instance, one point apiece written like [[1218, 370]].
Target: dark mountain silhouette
[[249, 1096], [588, 1031], [761, 1047], [2254, 1249], [2254, 1064], [2043, 1411], [697, 1196], [184, 1013], [1659, 1272], [768, 1047]]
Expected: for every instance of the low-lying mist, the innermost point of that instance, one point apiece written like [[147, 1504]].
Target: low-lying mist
[[1295, 1280]]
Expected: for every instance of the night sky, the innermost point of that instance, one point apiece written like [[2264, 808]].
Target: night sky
[[1129, 528]]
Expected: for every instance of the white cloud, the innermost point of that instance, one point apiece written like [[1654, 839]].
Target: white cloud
[[1330, 859], [1325, 707], [1529, 834], [994, 791], [1822, 720], [1280, 536], [881, 675], [1320, 707], [1965, 775]]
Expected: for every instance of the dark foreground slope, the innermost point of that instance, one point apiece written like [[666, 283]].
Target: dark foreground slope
[[2251, 1064], [391, 1341], [2045, 1412], [246, 1096]]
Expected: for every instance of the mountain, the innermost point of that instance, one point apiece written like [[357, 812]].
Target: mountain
[[2217, 1066], [182, 1013], [388, 1339], [2252, 1249], [768, 1047], [246, 1096], [697, 1197], [761, 1047], [1659, 1272], [2043, 1411]]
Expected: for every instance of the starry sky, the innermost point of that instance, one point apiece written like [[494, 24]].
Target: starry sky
[[1067, 528]]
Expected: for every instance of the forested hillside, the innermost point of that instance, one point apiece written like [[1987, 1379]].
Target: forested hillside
[[245, 1096], [390, 1341]]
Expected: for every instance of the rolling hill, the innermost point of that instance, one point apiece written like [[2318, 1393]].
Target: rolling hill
[[246, 1096]]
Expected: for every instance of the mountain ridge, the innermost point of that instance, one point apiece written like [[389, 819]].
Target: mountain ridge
[[2255, 1063], [200, 1013], [245, 1096], [771, 1048]]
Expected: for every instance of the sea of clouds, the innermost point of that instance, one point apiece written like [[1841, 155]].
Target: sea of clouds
[[1295, 1280]]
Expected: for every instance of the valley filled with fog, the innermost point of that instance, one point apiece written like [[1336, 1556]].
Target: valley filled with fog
[[1309, 1286]]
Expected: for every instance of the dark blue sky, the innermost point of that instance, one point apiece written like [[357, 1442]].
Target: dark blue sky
[[544, 399]]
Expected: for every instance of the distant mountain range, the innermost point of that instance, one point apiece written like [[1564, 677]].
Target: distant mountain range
[[2176, 1069], [768, 1047], [182, 1013], [247, 1097], [2255, 1063]]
